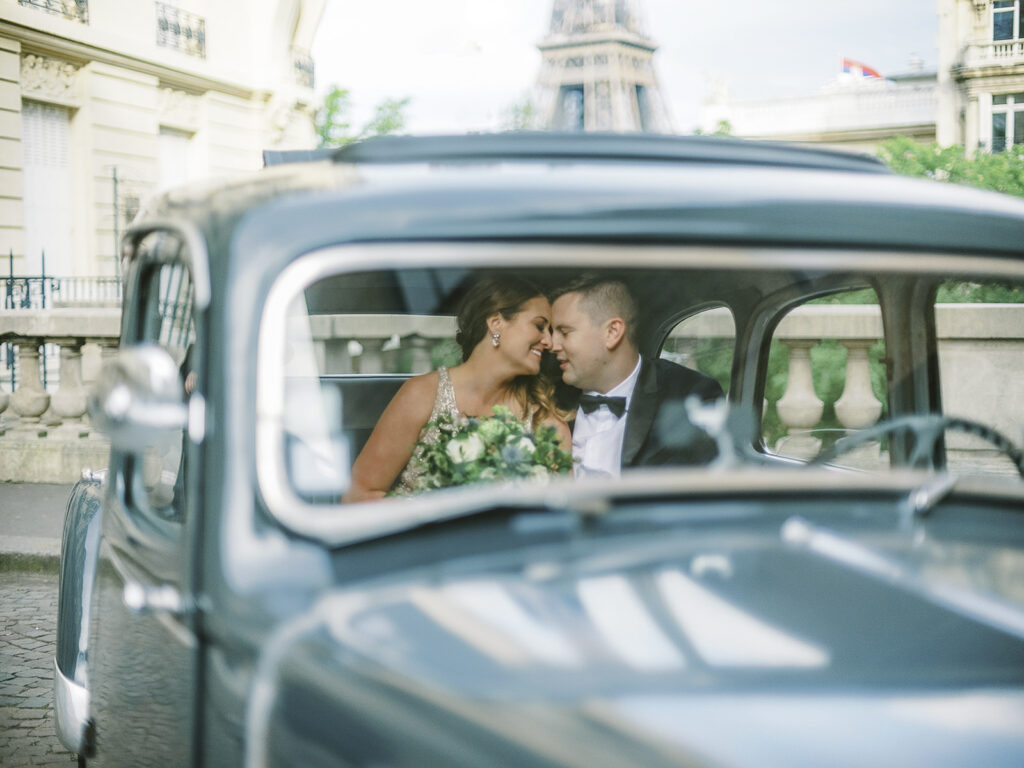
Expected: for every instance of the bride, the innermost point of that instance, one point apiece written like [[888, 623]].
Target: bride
[[504, 328]]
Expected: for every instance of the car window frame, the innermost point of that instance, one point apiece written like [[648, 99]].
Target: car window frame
[[753, 330]]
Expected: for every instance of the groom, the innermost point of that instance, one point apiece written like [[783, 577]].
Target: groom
[[630, 412]]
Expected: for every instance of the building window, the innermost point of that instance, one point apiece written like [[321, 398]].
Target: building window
[[74, 10], [1007, 23], [1007, 121], [180, 30], [175, 157], [46, 195]]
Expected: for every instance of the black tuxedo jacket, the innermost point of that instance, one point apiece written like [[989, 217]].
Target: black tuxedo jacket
[[658, 431]]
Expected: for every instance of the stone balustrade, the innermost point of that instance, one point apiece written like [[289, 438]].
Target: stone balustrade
[[45, 435]]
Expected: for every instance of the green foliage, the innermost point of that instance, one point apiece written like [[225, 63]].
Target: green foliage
[[447, 353], [979, 293], [723, 128], [334, 127], [521, 115], [1002, 172], [714, 357], [497, 448]]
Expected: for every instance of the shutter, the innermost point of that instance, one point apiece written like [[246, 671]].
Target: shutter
[[46, 149]]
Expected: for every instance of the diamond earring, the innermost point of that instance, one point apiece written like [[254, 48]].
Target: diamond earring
[[496, 338]]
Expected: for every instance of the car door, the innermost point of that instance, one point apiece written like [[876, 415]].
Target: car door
[[144, 648]]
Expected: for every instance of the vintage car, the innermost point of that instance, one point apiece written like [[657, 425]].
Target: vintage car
[[843, 585]]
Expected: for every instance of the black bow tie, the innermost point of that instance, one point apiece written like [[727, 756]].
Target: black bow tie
[[590, 403]]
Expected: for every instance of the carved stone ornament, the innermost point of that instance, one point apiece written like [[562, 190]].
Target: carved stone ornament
[[178, 108], [48, 79]]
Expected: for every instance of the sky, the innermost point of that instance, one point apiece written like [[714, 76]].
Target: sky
[[462, 63]]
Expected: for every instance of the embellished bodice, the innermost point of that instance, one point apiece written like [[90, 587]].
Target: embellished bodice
[[444, 404]]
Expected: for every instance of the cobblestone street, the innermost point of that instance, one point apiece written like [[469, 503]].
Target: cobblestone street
[[28, 615]]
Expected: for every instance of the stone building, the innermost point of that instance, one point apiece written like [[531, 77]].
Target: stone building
[[104, 102], [597, 70], [852, 112], [976, 97], [981, 74]]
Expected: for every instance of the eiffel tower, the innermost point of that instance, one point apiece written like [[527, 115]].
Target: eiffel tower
[[597, 70]]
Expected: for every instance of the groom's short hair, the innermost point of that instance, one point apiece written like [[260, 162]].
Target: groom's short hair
[[603, 297]]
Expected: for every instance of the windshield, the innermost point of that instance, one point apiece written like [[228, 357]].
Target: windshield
[[483, 370]]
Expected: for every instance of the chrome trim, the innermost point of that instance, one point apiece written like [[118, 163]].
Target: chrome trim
[[70, 710], [367, 520], [198, 258]]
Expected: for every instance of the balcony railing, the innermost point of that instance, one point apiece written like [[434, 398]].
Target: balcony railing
[[47, 415], [180, 30], [1001, 53], [73, 10]]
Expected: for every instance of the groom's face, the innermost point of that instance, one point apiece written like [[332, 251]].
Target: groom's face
[[578, 343]]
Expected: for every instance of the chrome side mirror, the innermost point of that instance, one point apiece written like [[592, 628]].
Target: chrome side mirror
[[138, 400]]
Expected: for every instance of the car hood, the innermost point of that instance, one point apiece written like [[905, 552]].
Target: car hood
[[751, 648]]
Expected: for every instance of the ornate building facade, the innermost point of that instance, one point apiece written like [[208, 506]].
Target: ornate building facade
[[597, 70], [981, 73], [104, 102], [975, 98]]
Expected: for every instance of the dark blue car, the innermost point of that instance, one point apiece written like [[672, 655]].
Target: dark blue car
[[842, 585]]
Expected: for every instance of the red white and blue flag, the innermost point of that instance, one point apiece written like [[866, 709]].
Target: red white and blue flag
[[857, 69]]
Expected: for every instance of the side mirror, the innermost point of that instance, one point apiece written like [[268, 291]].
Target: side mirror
[[138, 400]]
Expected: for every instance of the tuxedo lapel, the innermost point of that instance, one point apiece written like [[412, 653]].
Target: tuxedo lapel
[[642, 408]]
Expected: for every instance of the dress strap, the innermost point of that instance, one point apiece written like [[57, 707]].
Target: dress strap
[[444, 402]]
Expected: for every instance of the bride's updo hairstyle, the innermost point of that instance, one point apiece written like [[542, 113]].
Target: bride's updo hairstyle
[[505, 295], [488, 296]]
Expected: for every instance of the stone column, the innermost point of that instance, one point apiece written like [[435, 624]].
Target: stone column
[[69, 402], [800, 408], [372, 358], [29, 400], [858, 407]]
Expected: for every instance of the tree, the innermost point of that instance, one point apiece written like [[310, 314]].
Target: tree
[[521, 115], [334, 128], [1000, 172]]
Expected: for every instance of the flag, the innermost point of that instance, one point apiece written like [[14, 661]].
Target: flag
[[857, 69]]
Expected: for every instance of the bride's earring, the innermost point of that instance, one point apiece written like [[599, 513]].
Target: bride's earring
[[496, 339]]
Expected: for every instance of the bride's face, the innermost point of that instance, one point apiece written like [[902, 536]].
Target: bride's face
[[527, 335]]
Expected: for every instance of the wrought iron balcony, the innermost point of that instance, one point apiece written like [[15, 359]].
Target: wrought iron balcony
[[304, 69], [74, 10], [180, 30]]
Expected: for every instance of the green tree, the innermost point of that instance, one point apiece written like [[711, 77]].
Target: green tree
[[521, 115], [1000, 172], [334, 127]]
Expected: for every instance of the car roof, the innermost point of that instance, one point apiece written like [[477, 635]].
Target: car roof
[[588, 187]]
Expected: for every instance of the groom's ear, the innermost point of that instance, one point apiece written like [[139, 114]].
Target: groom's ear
[[614, 332]]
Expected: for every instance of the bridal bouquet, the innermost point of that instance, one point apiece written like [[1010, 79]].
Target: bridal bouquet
[[494, 448]]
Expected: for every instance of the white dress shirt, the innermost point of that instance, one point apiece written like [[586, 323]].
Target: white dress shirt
[[597, 436]]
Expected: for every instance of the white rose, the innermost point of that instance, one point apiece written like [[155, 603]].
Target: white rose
[[522, 444], [539, 473], [467, 449]]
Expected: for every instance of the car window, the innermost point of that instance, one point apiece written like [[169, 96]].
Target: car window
[[705, 342], [979, 327], [165, 317], [826, 378]]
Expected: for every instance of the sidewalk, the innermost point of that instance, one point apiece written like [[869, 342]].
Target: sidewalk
[[31, 524]]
